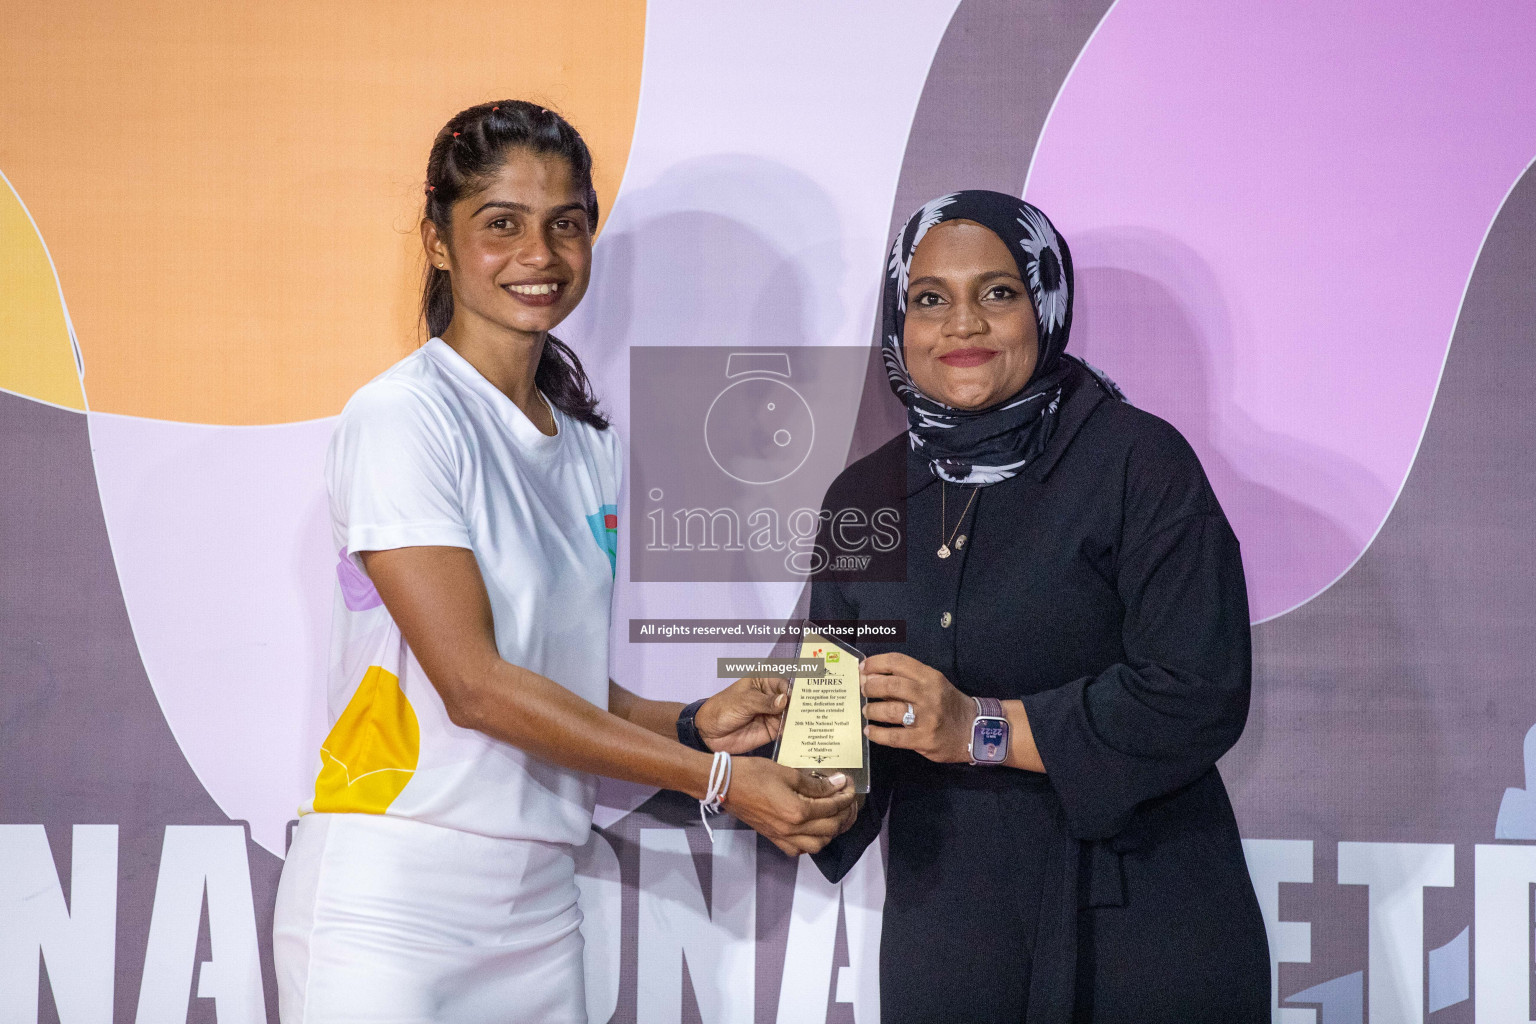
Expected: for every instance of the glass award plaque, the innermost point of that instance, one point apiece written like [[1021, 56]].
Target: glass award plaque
[[823, 729]]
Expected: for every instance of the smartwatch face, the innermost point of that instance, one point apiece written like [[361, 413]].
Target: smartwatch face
[[989, 740]]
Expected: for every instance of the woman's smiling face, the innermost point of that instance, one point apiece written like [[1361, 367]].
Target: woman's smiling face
[[970, 337], [520, 248]]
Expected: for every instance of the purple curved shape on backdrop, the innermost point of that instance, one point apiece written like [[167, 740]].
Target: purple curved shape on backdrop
[[357, 589], [1274, 210]]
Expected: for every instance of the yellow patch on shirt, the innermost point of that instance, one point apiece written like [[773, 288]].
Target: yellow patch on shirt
[[372, 750]]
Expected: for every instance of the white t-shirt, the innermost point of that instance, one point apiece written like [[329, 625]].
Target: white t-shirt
[[431, 453]]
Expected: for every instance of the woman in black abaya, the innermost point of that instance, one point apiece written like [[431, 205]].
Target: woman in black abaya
[[1067, 558]]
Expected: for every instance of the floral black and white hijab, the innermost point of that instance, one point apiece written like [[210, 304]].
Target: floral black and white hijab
[[986, 445]]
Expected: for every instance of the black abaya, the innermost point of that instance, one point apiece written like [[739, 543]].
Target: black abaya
[[1102, 586]]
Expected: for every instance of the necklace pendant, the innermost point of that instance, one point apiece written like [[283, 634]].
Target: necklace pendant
[[943, 551]]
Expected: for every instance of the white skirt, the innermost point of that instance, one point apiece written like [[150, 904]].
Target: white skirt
[[383, 919]]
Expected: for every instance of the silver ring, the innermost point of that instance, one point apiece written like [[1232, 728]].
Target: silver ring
[[910, 718]]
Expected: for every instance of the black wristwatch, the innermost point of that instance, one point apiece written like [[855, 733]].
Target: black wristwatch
[[687, 731]]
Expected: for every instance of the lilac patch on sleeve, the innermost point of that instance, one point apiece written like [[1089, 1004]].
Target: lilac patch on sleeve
[[356, 588]]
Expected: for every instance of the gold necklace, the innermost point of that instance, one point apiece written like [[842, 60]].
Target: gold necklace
[[943, 551]]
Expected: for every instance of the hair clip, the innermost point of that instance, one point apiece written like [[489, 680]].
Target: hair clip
[[455, 134], [431, 188], [494, 109]]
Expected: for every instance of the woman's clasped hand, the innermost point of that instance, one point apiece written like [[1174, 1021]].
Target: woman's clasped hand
[[941, 715], [745, 715], [796, 811]]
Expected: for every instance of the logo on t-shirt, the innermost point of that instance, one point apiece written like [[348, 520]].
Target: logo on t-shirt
[[605, 530]]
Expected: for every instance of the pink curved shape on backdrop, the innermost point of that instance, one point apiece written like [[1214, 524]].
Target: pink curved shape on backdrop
[[1273, 211]]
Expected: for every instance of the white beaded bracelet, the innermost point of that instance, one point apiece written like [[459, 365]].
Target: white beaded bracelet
[[719, 784]]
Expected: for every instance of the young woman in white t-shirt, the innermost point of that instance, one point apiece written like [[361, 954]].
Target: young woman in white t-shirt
[[473, 493]]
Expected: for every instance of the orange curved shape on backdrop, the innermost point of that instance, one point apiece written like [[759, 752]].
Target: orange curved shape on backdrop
[[230, 191]]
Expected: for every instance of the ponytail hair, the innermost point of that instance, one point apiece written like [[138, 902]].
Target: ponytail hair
[[469, 150]]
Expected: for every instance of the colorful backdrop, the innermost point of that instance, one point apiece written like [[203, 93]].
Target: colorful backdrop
[[1305, 233]]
